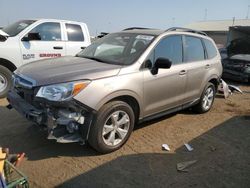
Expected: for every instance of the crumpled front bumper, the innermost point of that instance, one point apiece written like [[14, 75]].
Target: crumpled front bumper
[[63, 123], [24, 108]]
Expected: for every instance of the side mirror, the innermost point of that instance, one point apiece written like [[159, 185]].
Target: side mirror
[[148, 64], [161, 63], [32, 36]]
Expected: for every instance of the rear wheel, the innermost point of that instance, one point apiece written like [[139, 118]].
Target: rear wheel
[[5, 81], [113, 126], [206, 100]]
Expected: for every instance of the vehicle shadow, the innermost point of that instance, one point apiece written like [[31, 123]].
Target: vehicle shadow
[[222, 156]]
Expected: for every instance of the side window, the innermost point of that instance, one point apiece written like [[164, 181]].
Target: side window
[[211, 50], [50, 31], [194, 50], [170, 48], [74, 32]]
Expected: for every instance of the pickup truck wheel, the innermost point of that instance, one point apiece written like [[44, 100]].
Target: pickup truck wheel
[[5, 81], [206, 100], [112, 128]]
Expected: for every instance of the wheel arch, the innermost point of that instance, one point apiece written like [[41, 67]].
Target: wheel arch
[[214, 79], [8, 64], [129, 97]]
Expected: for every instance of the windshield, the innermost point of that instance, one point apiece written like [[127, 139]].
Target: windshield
[[118, 48], [15, 28]]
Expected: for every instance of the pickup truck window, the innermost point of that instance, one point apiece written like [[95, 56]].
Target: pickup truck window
[[74, 32], [49, 31], [118, 48], [15, 28]]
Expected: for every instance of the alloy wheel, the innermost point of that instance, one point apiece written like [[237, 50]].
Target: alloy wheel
[[3, 83], [208, 98], [116, 128]]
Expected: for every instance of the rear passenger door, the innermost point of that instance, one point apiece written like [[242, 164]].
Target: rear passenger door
[[166, 89], [195, 65], [75, 39]]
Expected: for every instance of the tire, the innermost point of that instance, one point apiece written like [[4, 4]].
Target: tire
[[107, 134], [207, 97], [5, 81]]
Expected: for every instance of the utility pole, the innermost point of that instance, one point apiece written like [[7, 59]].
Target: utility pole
[[205, 15], [248, 9]]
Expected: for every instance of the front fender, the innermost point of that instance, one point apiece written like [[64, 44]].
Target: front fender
[[120, 93]]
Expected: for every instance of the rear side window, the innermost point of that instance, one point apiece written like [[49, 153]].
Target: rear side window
[[49, 31], [194, 50], [74, 32], [211, 50], [170, 48]]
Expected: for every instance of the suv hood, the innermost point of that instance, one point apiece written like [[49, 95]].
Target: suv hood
[[66, 69]]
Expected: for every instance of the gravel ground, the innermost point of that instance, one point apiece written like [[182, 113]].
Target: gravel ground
[[220, 138]]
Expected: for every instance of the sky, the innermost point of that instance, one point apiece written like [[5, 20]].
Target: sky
[[115, 15]]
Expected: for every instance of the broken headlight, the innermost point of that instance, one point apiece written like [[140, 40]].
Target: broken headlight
[[61, 92]]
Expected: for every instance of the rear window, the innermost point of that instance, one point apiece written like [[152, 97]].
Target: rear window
[[74, 32], [194, 50], [211, 50]]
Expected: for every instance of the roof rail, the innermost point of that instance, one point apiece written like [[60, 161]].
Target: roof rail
[[132, 28], [186, 30]]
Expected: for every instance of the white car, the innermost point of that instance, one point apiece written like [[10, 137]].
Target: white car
[[30, 40]]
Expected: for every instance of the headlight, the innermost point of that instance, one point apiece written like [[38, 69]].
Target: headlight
[[61, 92]]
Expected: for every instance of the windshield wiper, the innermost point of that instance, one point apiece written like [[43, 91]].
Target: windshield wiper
[[94, 58]]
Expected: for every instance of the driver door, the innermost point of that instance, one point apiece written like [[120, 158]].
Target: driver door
[[166, 89], [50, 44]]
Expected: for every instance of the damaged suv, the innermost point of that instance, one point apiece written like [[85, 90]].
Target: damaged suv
[[120, 80]]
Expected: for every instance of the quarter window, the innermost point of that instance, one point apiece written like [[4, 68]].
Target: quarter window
[[170, 48], [194, 50], [211, 50], [74, 32], [50, 31]]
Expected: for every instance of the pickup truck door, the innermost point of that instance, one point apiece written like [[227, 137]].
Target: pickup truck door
[[77, 38], [50, 45], [165, 90]]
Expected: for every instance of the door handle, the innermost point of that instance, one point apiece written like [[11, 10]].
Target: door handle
[[207, 66], [83, 48], [58, 47], [183, 72]]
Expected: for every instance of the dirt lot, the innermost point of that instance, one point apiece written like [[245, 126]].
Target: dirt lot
[[221, 141]]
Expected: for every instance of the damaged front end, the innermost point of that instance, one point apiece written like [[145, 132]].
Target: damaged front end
[[237, 68], [66, 121]]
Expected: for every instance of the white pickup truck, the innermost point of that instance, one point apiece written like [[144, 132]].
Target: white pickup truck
[[30, 40]]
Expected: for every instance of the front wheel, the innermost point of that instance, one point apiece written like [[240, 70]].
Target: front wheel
[[5, 81], [113, 126], [206, 100]]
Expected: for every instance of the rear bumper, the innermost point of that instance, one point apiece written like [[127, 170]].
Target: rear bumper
[[61, 122]]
